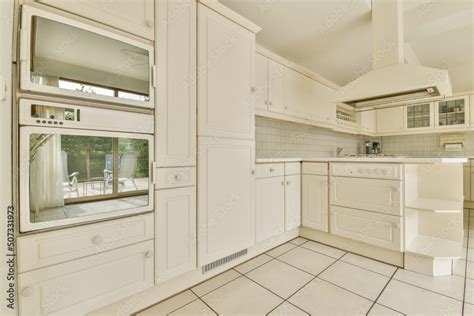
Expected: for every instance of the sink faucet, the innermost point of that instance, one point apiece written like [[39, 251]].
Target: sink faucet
[[339, 151]]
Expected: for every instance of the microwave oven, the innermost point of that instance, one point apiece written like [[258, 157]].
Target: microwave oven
[[70, 57], [82, 164]]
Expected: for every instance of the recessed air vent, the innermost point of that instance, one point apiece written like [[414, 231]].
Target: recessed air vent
[[211, 266]]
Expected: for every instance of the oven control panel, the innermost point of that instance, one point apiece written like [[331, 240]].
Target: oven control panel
[[367, 170]]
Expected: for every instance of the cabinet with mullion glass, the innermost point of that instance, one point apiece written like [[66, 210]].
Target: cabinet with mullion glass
[[419, 117], [452, 112]]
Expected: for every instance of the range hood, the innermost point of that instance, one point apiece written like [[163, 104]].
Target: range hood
[[392, 82]]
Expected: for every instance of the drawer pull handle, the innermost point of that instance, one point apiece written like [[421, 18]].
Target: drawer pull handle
[[148, 254], [27, 291], [271, 169], [253, 172], [97, 239], [177, 177], [287, 182]]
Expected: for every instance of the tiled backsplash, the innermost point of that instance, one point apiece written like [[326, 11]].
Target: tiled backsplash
[[424, 145], [280, 139]]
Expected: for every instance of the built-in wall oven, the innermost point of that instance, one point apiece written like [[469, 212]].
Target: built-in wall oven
[[81, 164], [65, 55]]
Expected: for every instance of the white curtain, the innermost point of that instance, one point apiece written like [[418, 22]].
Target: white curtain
[[46, 176]]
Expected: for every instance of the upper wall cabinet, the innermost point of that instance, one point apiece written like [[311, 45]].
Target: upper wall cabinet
[[69, 57], [270, 84], [176, 93], [226, 85], [367, 122], [452, 113], [419, 117], [135, 17], [390, 120]]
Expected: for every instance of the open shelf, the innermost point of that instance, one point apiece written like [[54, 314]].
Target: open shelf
[[436, 205], [436, 248]]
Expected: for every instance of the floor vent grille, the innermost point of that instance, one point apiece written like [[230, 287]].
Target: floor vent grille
[[211, 266]]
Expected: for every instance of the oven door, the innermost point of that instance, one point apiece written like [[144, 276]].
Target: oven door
[[72, 176], [69, 57]]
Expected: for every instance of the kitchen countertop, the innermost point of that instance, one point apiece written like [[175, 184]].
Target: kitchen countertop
[[407, 160]]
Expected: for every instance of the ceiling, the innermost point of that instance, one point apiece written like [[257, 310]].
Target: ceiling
[[334, 37]]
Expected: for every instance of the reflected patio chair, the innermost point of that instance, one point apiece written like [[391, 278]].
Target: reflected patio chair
[[69, 180], [126, 169]]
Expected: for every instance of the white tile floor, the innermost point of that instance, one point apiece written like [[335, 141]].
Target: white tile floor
[[303, 277]]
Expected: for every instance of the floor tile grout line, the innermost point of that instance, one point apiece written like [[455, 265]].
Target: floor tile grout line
[[298, 307], [343, 288], [358, 266], [425, 289], [212, 309], [381, 292], [312, 274], [174, 310], [240, 275], [281, 297]]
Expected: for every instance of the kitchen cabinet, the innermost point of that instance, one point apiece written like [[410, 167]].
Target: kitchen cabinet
[[368, 227], [270, 84], [135, 17], [471, 110], [270, 211], [467, 181], [367, 122], [292, 201], [452, 113], [226, 197], [298, 95], [390, 120], [225, 50], [81, 286], [176, 97], [419, 117], [261, 82], [175, 232], [314, 204], [374, 195]]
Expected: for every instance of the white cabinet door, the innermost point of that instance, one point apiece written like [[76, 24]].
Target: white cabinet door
[[324, 102], [418, 117], [298, 95], [372, 228], [270, 211], [452, 113], [467, 183], [81, 286], [226, 197], [292, 201], [261, 82], [176, 97], [367, 122], [276, 86], [136, 17], [226, 54], [175, 224], [390, 120], [315, 202], [471, 109], [382, 196]]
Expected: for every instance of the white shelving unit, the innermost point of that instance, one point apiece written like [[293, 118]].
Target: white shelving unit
[[433, 217]]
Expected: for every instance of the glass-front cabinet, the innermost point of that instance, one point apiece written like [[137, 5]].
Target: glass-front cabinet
[[419, 117], [452, 113]]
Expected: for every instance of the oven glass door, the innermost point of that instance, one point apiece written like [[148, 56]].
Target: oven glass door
[[70, 176], [71, 58]]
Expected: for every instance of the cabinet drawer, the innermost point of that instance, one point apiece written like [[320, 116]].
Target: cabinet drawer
[[381, 196], [46, 249], [80, 286], [270, 170], [371, 228], [167, 178], [316, 168], [292, 168]]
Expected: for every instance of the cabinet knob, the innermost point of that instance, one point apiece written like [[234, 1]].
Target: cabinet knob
[[286, 108], [97, 239], [287, 182], [177, 177], [266, 102], [27, 291], [270, 103], [148, 254], [253, 172], [252, 89], [283, 183], [149, 23], [271, 169]]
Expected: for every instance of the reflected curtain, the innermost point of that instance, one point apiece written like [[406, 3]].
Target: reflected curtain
[[46, 176]]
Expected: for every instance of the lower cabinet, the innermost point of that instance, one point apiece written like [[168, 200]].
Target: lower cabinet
[[368, 227], [315, 202], [292, 201], [270, 210], [175, 223], [80, 286], [226, 197]]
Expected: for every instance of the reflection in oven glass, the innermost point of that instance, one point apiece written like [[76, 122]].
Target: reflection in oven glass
[[73, 176]]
